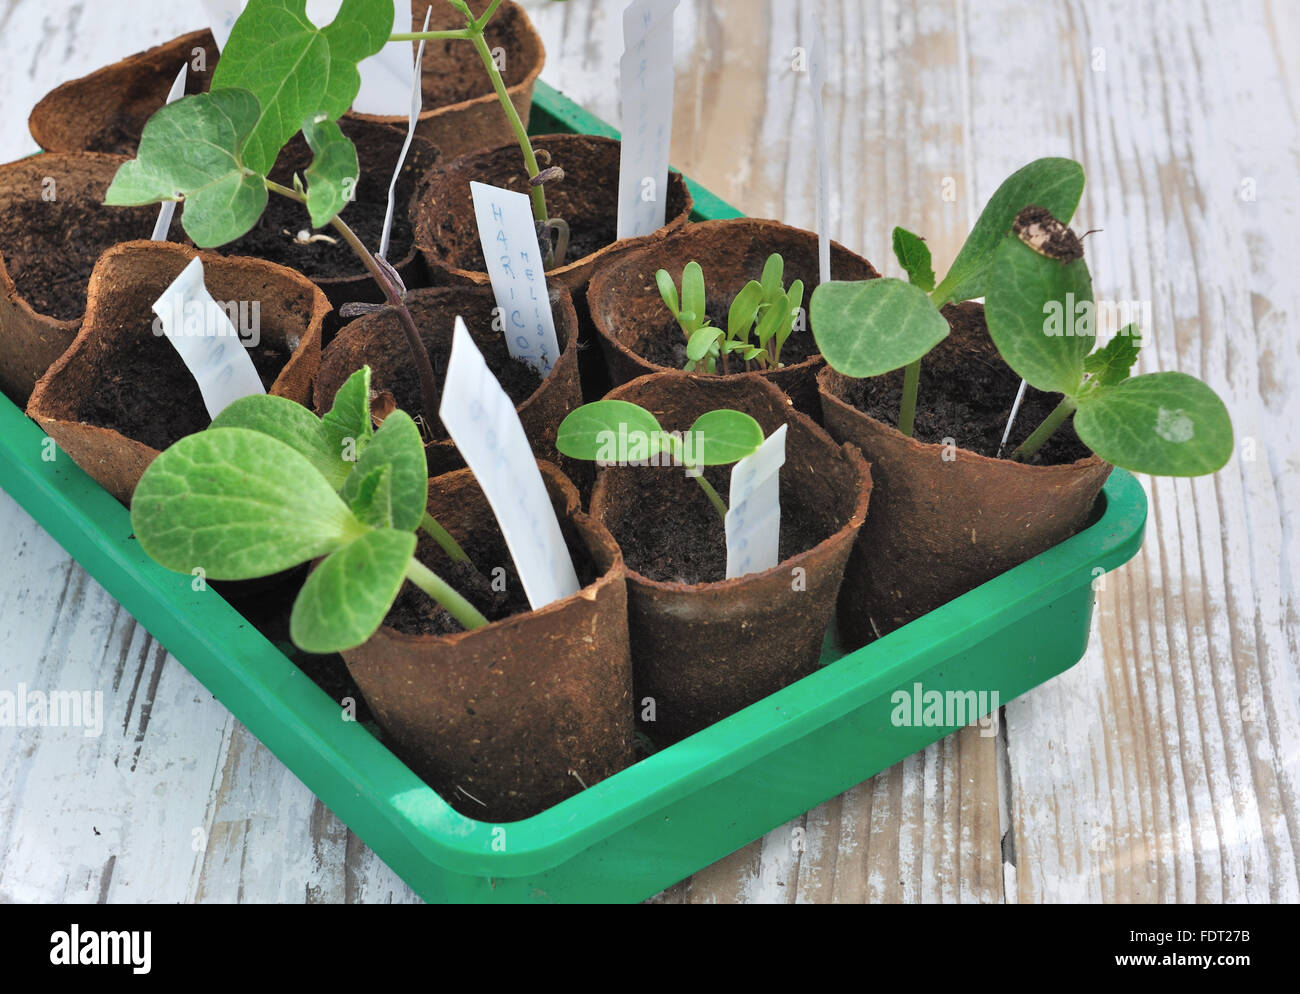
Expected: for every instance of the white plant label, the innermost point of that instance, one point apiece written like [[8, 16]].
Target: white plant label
[[481, 420], [514, 262], [754, 520], [168, 209], [417, 102], [646, 95], [816, 41], [202, 333], [384, 76]]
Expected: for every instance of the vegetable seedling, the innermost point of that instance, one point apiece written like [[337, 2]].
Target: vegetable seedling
[[269, 486], [619, 433], [761, 307]]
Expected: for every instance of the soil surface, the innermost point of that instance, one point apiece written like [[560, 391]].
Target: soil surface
[[453, 71], [966, 392], [665, 345]]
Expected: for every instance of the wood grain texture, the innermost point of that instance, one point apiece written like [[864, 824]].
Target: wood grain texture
[[1164, 767]]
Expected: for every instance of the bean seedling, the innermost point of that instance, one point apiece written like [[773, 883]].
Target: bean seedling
[[269, 486], [618, 433], [1029, 267], [761, 307]]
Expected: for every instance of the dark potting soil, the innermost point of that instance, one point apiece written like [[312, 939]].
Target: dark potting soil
[[965, 393], [453, 71], [145, 392], [665, 345], [52, 246], [676, 536]]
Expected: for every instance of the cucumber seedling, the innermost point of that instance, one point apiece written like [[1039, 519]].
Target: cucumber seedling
[[761, 309], [269, 486], [618, 433]]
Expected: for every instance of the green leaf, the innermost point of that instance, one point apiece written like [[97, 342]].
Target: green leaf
[[693, 293], [397, 445], [296, 69], [348, 421], [1056, 184], [292, 424], [239, 504], [751, 352], [1165, 424], [914, 256], [594, 431], [372, 500], [345, 599], [1032, 310], [872, 327], [699, 344], [1112, 364], [333, 173], [723, 437], [795, 300], [668, 291], [773, 270], [740, 318], [777, 312], [193, 149]]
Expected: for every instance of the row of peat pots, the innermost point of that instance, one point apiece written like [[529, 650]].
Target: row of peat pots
[[508, 719]]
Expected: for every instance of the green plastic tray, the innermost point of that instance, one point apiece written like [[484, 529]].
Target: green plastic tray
[[669, 815]]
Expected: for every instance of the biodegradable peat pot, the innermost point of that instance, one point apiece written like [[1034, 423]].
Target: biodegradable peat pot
[[462, 113], [121, 394], [377, 340], [332, 265], [106, 110], [587, 198], [509, 719], [704, 649], [53, 226], [946, 518], [639, 335]]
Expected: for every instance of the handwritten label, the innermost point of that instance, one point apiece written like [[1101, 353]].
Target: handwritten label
[[514, 263], [168, 208], [417, 101], [754, 520], [204, 336], [481, 420], [646, 81], [816, 41], [384, 76]]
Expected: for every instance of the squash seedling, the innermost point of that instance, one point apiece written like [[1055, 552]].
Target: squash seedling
[[619, 433], [761, 307], [269, 486]]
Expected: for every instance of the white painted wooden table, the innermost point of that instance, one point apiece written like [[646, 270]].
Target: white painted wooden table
[[1164, 767]]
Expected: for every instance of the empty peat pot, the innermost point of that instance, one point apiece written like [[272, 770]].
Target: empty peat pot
[[586, 197], [283, 233], [639, 335], [704, 647], [506, 720], [120, 394], [947, 515], [106, 110], [377, 340], [53, 226]]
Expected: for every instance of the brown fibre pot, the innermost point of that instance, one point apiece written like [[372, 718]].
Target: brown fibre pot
[[587, 198], [377, 340], [328, 261], [508, 719], [107, 110], [121, 394], [638, 334], [53, 226], [947, 514], [704, 647]]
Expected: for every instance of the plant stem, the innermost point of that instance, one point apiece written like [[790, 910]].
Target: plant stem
[[712, 494], [907, 410], [1044, 431], [438, 588], [420, 357], [443, 537], [456, 34], [482, 22]]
